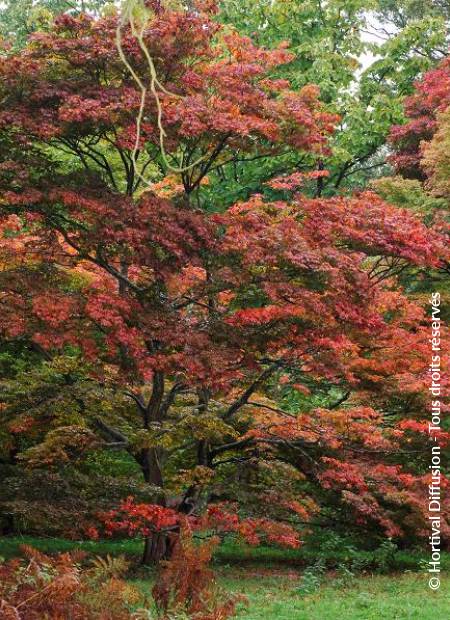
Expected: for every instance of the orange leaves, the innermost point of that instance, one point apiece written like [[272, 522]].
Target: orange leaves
[[244, 51], [169, 187], [42, 586], [338, 429], [299, 509], [295, 180], [189, 278], [186, 583]]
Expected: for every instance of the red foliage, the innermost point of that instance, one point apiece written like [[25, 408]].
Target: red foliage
[[431, 96], [251, 530], [154, 290], [147, 519], [140, 519], [224, 94]]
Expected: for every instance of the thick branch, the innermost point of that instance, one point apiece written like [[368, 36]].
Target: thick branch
[[243, 399], [120, 440]]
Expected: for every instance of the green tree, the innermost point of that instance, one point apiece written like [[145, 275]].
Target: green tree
[[20, 18], [333, 43]]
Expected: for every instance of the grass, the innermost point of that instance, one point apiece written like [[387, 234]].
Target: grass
[[395, 597], [10, 546], [271, 580], [276, 595], [228, 553]]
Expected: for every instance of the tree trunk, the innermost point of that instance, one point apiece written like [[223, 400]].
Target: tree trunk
[[156, 548], [7, 526]]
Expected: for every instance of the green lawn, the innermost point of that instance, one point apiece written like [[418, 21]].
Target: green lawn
[[273, 586], [228, 553], [395, 597]]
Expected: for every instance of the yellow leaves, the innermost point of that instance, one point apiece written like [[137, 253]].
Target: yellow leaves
[[81, 276], [172, 186], [198, 476], [208, 427], [108, 567], [339, 420], [65, 364], [145, 439], [262, 407], [138, 11], [61, 446]]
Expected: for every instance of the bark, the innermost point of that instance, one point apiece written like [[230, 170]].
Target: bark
[[156, 548]]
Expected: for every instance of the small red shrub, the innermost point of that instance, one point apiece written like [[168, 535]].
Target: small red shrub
[[186, 583]]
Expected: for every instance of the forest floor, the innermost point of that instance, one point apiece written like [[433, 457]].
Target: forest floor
[[278, 587]]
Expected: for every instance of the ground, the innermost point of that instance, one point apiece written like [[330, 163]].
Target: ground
[[278, 587], [393, 597]]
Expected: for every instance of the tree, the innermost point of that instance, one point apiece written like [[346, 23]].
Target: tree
[[432, 96], [19, 18], [364, 61], [99, 139], [401, 12], [189, 323], [436, 158], [420, 151]]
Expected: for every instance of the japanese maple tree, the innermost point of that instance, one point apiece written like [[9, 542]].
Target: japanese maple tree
[[189, 322]]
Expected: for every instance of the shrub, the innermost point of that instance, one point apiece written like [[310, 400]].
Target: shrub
[[186, 586], [56, 588]]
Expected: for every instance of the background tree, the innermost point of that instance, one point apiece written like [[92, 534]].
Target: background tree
[[20, 18], [363, 58]]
